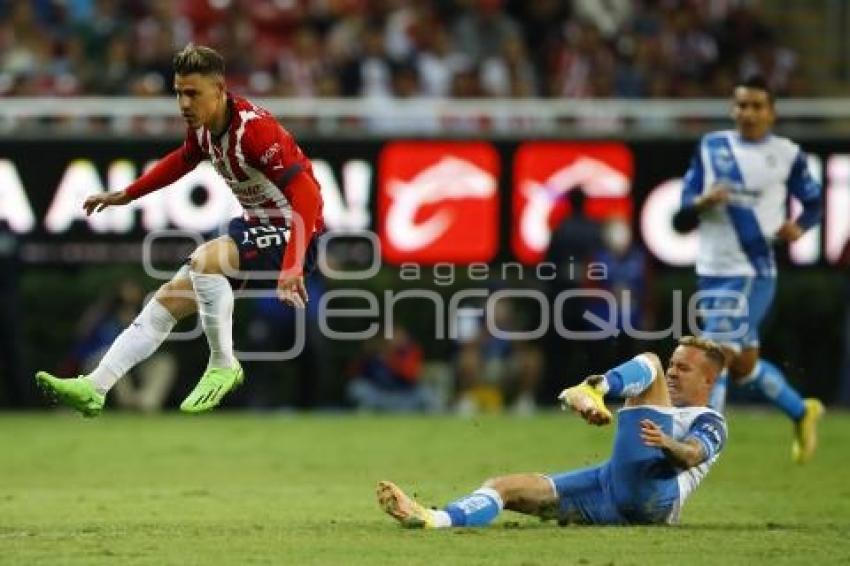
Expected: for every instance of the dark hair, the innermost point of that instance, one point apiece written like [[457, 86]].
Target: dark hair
[[711, 349], [757, 82], [198, 59]]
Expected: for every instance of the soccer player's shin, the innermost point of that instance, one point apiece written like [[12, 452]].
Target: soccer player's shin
[[717, 400], [768, 381], [138, 341], [215, 309], [478, 509], [628, 379]]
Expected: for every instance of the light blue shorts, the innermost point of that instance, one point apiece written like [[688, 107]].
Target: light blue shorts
[[733, 308], [637, 485]]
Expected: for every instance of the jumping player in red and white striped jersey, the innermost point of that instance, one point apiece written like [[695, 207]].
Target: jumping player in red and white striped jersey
[[272, 244]]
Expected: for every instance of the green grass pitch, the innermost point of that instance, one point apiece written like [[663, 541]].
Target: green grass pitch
[[234, 488]]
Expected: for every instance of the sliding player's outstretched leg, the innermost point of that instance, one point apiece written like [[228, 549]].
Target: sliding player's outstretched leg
[[478, 509], [529, 494], [87, 393], [215, 309], [664, 434]]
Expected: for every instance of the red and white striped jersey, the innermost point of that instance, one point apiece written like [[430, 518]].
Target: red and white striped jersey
[[257, 157], [260, 161]]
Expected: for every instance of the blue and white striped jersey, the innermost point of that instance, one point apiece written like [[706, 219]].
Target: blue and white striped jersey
[[735, 239]]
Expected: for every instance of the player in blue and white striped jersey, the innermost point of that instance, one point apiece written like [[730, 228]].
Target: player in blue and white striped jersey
[[666, 441], [737, 190]]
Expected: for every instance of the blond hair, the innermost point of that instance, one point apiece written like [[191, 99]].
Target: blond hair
[[198, 59], [712, 349]]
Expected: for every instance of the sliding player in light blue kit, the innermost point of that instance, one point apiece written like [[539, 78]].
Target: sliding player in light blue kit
[[737, 190], [666, 441]]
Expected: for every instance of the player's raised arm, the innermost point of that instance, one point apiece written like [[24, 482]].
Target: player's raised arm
[[166, 171], [100, 201]]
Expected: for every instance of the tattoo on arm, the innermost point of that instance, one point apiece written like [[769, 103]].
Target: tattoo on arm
[[686, 454]]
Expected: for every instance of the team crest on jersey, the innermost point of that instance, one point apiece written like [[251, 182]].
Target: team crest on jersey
[[270, 153], [723, 160]]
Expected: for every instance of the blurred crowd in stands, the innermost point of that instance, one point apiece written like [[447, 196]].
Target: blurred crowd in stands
[[396, 48]]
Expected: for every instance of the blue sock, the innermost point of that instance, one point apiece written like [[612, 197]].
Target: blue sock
[[476, 510], [631, 378], [769, 381], [717, 399]]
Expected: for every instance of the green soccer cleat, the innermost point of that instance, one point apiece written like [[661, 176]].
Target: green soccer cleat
[[587, 400], [78, 393], [211, 389], [806, 432], [402, 508]]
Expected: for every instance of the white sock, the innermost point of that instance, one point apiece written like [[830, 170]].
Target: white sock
[[138, 341], [441, 519], [215, 309]]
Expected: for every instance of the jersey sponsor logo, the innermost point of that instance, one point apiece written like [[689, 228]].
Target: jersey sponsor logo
[[438, 202], [250, 191], [544, 174]]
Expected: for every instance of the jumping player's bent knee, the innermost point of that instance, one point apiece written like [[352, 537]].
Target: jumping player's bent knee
[[178, 298], [219, 256]]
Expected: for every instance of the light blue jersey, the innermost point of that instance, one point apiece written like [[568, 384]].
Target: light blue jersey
[[735, 239], [639, 484]]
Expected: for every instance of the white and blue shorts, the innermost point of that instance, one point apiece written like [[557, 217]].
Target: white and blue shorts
[[732, 308]]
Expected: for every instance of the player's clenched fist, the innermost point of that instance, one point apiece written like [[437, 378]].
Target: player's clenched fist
[[98, 202]]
